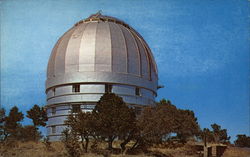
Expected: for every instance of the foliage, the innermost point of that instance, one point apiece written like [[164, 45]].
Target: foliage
[[12, 124], [113, 118], [168, 114], [220, 135], [2, 119], [71, 143], [148, 129], [29, 133], [217, 134], [11, 128], [242, 141], [182, 122], [82, 124], [2, 115], [38, 116], [110, 119], [157, 122], [206, 135], [187, 125]]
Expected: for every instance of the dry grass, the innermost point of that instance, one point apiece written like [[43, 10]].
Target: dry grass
[[185, 151], [32, 149], [237, 152]]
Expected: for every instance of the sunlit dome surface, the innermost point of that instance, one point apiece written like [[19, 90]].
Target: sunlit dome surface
[[102, 44]]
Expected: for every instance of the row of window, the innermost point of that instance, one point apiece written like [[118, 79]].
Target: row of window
[[53, 129], [75, 108], [108, 89]]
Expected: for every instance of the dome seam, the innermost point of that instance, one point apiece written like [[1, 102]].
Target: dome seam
[[56, 51], [78, 65], [111, 49], [51, 60], [72, 38], [148, 58], [138, 53], [147, 48], [95, 46], [66, 49], [127, 71]]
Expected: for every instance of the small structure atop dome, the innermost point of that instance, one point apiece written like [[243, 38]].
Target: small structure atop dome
[[96, 15], [99, 17]]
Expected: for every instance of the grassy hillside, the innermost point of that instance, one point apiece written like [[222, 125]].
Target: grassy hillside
[[33, 149], [237, 152]]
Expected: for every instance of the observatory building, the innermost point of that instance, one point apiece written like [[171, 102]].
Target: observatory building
[[97, 55]]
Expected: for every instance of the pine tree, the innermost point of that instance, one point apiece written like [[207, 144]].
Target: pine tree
[[38, 116], [113, 117], [83, 125], [12, 122], [2, 120], [242, 141]]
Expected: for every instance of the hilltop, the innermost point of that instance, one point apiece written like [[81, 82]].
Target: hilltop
[[38, 149]]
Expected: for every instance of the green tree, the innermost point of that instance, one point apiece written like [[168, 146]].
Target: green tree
[[71, 142], [242, 141], [216, 135], [113, 117], [2, 115], [82, 124], [148, 129], [187, 125], [2, 120], [167, 113], [157, 122], [173, 120], [29, 133], [12, 122], [219, 135], [206, 136], [38, 116]]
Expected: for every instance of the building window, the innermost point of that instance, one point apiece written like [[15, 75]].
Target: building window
[[88, 107], [53, 129], [53, 110], [76, 88], [53, 91], [137, 91], [76, 108], [108, 88]]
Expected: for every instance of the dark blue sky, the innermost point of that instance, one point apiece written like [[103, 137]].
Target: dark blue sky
[[201, 48]]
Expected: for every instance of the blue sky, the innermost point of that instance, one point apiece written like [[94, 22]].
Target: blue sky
[[201, 48]]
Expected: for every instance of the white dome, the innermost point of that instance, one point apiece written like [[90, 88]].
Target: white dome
[[101, 44]]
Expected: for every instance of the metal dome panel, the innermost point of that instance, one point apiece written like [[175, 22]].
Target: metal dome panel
[[101, 46]]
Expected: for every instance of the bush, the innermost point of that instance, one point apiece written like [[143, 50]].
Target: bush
[[29, 133], [242, 141], [71, 143], [114, 119]]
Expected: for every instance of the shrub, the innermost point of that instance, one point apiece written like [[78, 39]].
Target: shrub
[[242, 141]]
